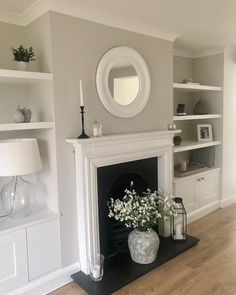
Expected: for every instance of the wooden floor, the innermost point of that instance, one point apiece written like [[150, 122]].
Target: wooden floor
[[209, 268]]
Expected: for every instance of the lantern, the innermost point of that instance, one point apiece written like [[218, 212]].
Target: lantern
[[179, 221]]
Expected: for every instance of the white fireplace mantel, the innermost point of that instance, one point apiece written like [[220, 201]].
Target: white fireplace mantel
[[93, 153]]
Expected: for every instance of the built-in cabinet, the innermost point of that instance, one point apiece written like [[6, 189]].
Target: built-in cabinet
[[28, 252], [200, 190], [13, 257], [30, 247]]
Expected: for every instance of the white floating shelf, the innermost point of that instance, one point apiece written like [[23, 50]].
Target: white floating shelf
[[26, 126], [193, 145], [23, 77], [196, 117], [195, 87]]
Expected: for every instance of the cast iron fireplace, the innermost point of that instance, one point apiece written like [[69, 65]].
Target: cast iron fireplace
[[112, 182]]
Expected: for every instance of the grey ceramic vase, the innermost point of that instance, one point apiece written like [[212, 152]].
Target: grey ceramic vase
[[201, 108], [143, 246], [27, 113], [19, 116]]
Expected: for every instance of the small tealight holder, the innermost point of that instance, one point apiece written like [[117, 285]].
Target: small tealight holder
[[97, 129], [96, 267]]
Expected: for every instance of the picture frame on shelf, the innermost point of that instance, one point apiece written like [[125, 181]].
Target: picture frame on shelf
[[204, 132]]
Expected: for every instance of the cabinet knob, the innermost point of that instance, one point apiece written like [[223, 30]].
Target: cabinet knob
[[198, 179], [202, 178]]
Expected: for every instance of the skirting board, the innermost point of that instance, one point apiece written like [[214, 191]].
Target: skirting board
[[227, 201], [48, 283], [203, 211], [210, 208]]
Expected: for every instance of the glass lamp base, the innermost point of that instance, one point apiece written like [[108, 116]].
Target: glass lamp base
[[17, 197]]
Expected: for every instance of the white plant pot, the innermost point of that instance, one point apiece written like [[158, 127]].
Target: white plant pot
[[143, 246], [22, 65]]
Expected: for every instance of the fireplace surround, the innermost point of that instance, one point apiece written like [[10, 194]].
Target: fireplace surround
[[94, 153]]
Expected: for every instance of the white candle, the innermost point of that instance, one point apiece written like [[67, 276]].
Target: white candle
[[96, 271], [81, 93], [184, 165], [178, 232]]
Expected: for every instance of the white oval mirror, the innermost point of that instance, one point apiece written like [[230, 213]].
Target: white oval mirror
[[123, 82]]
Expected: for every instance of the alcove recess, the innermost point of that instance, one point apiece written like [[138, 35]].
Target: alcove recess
[[206, 71], [32, 90], [201, 189]]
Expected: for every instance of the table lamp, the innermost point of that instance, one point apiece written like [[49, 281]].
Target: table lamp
[[18, 157]]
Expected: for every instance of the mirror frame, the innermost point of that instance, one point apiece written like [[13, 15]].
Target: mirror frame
[[110, 58]]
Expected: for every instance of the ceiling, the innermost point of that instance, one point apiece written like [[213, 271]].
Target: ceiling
[[202, 24], [15, 6]]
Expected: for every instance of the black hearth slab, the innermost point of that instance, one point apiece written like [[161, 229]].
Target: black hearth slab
[[121, 270]]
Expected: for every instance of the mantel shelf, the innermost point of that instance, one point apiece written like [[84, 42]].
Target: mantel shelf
[[192, 145], [23, 77], [26, 126], [195, 87], [196, 117]]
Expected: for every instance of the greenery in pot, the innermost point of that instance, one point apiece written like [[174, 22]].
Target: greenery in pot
[[23, 54], [141, 212]]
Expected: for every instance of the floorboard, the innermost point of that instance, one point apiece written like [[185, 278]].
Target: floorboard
[[208, 268]]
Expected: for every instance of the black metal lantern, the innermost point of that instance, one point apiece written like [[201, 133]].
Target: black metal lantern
[[179, 221]]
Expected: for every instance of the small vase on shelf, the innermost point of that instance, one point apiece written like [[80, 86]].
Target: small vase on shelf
[[201, 107], [19, 115]]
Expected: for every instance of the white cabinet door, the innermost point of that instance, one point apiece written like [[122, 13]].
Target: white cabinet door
[[43, 248], [13, 261], [208, 188], [187, 191]]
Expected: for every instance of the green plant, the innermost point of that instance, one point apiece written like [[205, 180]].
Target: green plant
[[141, 212], [177, 140], [23, 54]]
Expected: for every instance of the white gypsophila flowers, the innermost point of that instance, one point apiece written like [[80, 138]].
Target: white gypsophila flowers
[[141, 212]]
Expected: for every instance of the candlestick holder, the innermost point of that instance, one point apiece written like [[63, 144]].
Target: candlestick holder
[[83, 134]]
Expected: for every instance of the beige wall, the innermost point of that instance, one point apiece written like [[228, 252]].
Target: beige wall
[[229, 138], [38, 35], [183, 68], [77, 47], [10, 36]]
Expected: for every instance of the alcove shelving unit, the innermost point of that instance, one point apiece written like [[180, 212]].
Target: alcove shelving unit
[[24, 241], [190, 144], [200, 188]]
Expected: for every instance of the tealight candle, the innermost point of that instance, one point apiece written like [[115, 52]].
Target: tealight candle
[[96, 271], [178, 232]]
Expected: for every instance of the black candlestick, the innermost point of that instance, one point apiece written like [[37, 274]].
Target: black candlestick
[[82, 135]]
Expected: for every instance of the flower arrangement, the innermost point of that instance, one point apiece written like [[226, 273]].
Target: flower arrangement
[[141, 212], [23, 54]]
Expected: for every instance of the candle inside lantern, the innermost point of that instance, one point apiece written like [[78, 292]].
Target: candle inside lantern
[[96, 271], [178, 232], [81, 93]]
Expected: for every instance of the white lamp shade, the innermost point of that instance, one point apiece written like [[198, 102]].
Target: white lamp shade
[[19, 157]]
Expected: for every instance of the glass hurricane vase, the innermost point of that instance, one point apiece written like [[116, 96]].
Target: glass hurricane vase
[[17, 197]]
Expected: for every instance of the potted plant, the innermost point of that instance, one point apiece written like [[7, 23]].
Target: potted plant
[[141, 213], [23, 56]]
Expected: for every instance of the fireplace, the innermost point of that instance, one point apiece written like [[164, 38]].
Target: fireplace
[[92, 157], [112, 181], [103, 159]]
